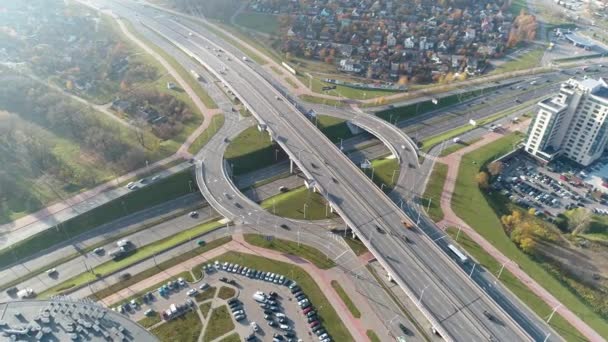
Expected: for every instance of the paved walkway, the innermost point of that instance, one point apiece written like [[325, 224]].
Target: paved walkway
[[45, 218], [321, 277], [452, 220]]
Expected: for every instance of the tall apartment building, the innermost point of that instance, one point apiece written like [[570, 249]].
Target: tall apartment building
[[572, 124]]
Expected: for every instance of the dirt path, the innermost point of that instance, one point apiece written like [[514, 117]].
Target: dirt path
[[321, 277], [452, 220]]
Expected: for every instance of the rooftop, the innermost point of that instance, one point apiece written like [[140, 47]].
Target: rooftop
[[66, 320]]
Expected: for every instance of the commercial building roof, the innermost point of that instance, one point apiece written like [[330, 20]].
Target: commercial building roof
[[66, 320]]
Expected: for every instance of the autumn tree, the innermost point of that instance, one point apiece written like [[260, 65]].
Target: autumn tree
[[495, 168], [482, 179]]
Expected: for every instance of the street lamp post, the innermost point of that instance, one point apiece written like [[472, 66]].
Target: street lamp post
[[553, 312], [382, 187], [276, 154], [422, 294], [428, 207], [341, 146], [373, 174], [458, 234], [393, 176], [502, 268], [305, 205], [472, 270], [190, 185]]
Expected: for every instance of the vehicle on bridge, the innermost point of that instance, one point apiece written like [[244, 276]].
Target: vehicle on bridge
[[407, 225]]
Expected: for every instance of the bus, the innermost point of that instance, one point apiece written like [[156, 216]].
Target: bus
[[463, 258]]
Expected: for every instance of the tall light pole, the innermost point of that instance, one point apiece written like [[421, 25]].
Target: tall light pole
[[393, 176], [553, 312], [502, 268], [472, 270], [428, 207], [458, 234], [422, 294], [305, 205], [341, 146]]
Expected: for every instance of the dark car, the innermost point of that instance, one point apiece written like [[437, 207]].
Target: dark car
[[379, 230], [488, 315], [284, 226], [404, 329]]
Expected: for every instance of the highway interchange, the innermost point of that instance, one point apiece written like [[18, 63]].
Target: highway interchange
[[456, 310], [331, 170]]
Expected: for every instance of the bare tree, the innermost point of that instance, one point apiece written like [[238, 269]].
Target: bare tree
[[579, 220]]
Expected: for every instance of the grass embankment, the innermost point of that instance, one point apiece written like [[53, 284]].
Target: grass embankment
[[252, 150], [517, 287], [327, 314], [235, 337], [163, 190], [433, 191], [219, 323], [346, 299], [184, 328], [334, 128], [149, 321], [226, 292], [284, 246], [356, 245], [134, 279], [141, 253], [385, 172], [291, 204], [476, 208], [207, 294], [456, 147], [216, 124], [343, 91], [413, 110], [373, 336], [321, 100]]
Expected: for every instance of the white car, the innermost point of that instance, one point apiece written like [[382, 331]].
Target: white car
[[203, 286], [51, 271], [255, 326], [131, 185], [191, 292], [181, 281]]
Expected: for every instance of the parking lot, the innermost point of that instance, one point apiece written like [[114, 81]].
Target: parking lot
[[261, 301], [551, 189]]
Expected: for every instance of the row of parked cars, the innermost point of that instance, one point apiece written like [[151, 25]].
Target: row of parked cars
[[237, 309]]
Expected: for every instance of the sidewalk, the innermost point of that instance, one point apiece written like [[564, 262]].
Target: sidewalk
[[451, 219], [321, 277]]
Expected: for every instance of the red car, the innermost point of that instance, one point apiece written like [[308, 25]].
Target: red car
[[307, 310], [314, 324]]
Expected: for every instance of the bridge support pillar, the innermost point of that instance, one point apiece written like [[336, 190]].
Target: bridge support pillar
[[390, 278], [290, 166], [354, 234]]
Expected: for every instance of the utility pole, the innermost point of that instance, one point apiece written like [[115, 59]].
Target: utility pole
[[422, 294], [502, 268], [553, 313], [458, 234], [393, 177], [473, 270], [305, 205]]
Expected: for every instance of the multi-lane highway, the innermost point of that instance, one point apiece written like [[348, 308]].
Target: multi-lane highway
[[452, 302]]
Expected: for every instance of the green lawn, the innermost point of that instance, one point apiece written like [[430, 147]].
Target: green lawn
[[517, 287], [385, 172], [434, 190], [261, 22], [527, 60], [291, 204], [205, 307], [141, 253], [373, 337], [346, 299], [320, 100], [291, 82], [149, 321], [226, 292], [456, 147], [216, 123], [219, 323], [232, 338], [470, 204], [326, 312], [183, 329], [290, 247], [207, 294], [334, 128], [163, 190], [252, 150], [356, 245]]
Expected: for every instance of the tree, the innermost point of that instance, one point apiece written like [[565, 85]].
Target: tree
[[495, 168], [482, 180], [527, 244], [579, 220], [403, 80]]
